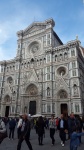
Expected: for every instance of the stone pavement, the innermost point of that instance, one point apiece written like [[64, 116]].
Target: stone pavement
[[12, 144]]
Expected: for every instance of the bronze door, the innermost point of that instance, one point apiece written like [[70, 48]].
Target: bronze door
[[32, 107], [7, 111]]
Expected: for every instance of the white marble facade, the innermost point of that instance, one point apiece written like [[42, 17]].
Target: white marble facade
[[45, 77]]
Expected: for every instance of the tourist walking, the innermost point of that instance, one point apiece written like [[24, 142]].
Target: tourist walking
[[19, 125], [52, 127], [12, 124], [40, 129], [72, 122], [25, 133], [62, 127]]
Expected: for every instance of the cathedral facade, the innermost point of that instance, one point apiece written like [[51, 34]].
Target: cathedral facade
[[46, 76]]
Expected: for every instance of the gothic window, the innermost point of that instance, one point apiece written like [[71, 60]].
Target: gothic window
[[17, 66], [44, 60], [60, 56], [73, 64], [48, 69], [48, 42], [28, 64], [77, 108], [48, 76], [73, 72], [37, 62], [40, 61], [48, 108], [48, 36], [7, 69], [2, 69], [13, 67], [48, 58], [32, 60], [65, 55], [44, 40], [48, 91], [16, 82], [55, 57], [73, 52], [25, 65], [44, 108], [1, 78]]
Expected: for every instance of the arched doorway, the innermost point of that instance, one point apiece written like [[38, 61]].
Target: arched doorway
[[32, 92], [32, 107], [64, 109], [62, 96], [7, 109]]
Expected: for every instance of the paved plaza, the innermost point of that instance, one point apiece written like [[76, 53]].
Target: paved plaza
[[12, 144]]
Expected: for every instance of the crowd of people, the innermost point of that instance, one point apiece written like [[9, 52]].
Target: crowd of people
[[72, 126]]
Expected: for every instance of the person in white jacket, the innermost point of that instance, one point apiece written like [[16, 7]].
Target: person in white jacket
[[19, 125], [2, 126], [2, 129]]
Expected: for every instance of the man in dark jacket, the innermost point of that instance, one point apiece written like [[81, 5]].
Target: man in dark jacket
[[62, 127], [12, 124], [25, 133], [72, 122]]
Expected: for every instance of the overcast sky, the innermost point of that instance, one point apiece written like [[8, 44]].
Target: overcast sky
[[17, 15]]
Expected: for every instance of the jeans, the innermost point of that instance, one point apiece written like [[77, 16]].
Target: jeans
[[52, 132], [11, 133]]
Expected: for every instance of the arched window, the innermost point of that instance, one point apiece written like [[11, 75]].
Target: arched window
[[60, 56], [55, 57], [73, 52], [65, 55]]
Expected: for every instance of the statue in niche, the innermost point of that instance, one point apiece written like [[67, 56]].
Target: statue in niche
[[62, 73], [75, 89], [48, 91], [11, 88]]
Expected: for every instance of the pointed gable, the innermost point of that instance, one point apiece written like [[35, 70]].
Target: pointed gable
[[36, 26]]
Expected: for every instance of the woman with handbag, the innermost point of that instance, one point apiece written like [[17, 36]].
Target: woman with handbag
[[3, 131]]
